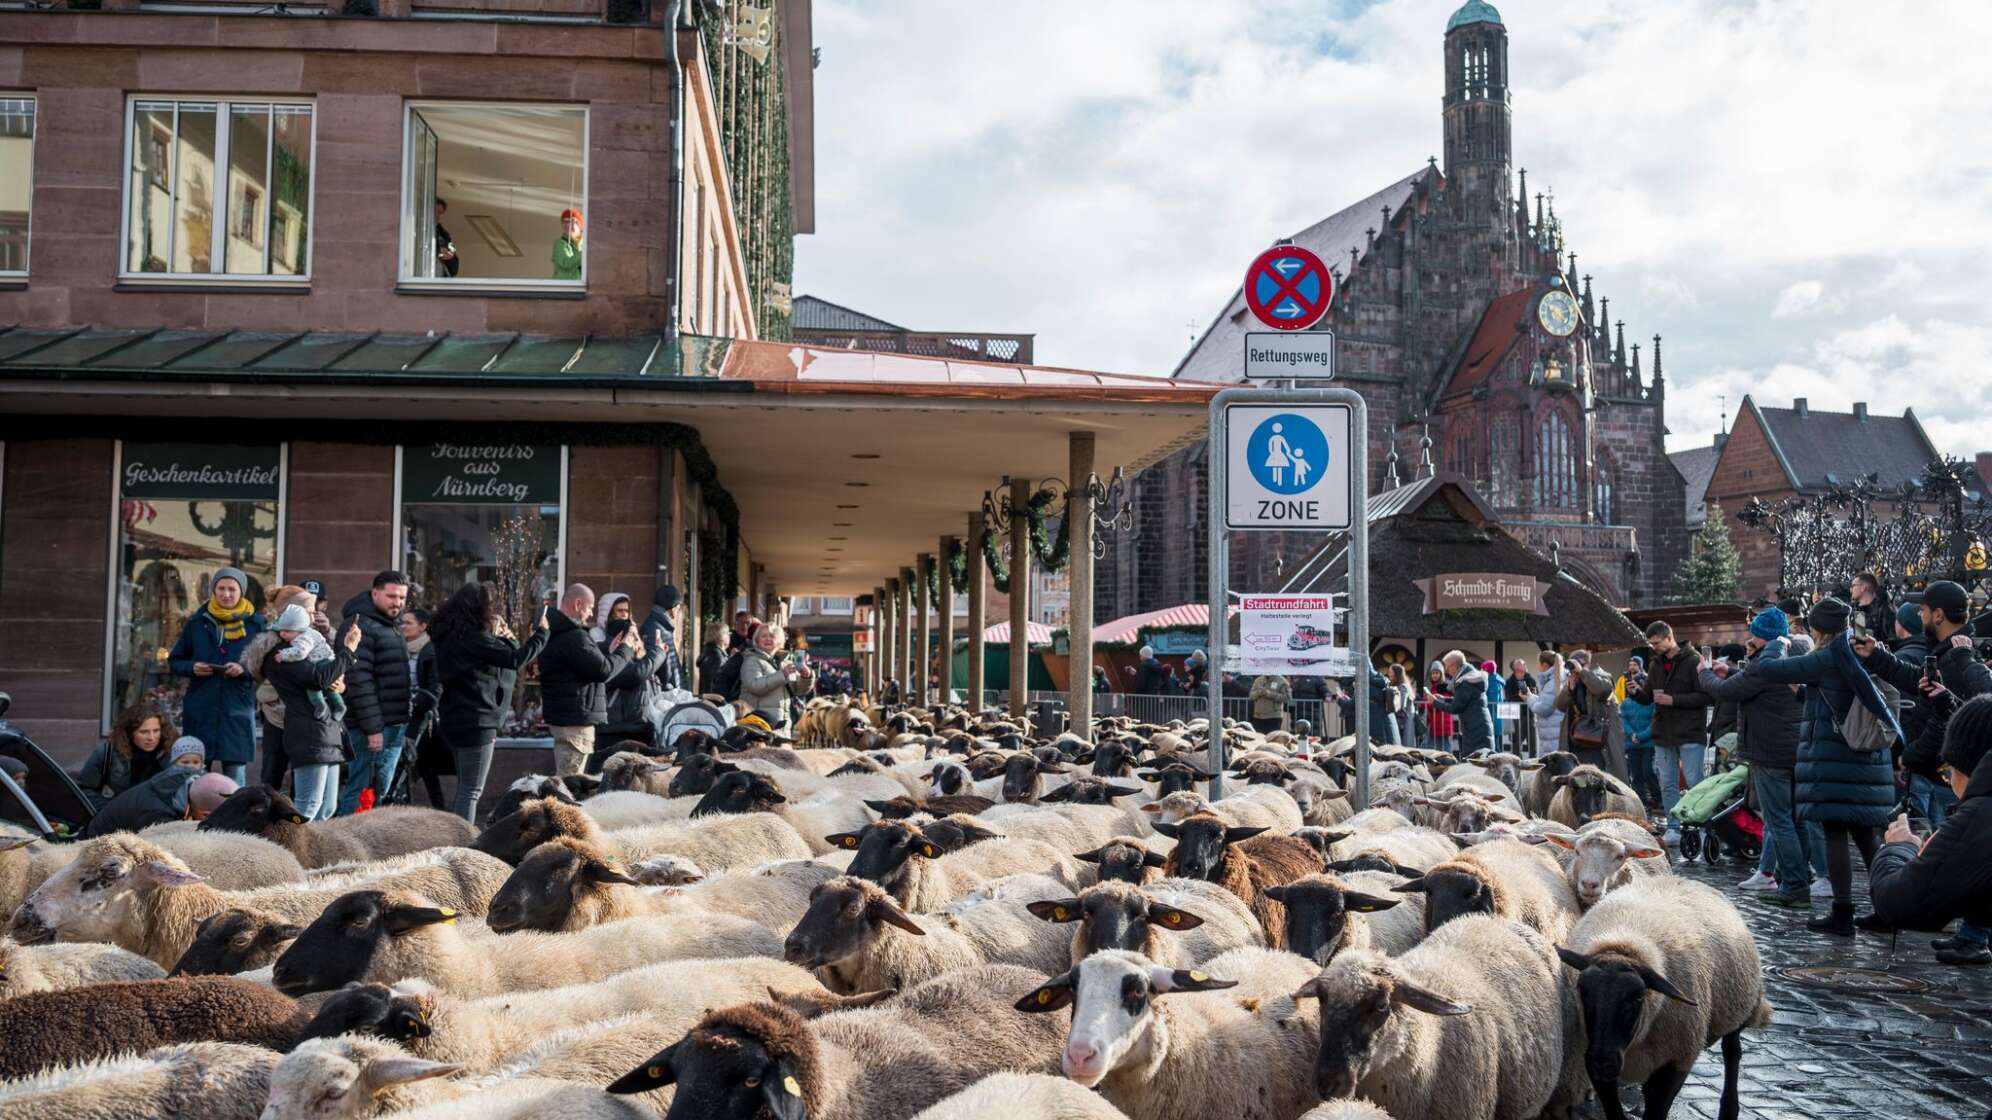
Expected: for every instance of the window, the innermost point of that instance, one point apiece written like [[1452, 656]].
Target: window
[[184, 512], [485, 194], [1601, 490], [485, 514], [1556, 469], [185, 217], [17, 180], [1503, 459]]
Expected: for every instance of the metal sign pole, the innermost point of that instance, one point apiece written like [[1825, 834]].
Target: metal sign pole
[[1217, 497]]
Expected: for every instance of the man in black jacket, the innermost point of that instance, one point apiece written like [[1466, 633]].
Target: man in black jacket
[[660, 633], [574, 674], [1924, 885], [1943, 608], [378, 691], [1680, 724], [1767, 726], [1469, 702]]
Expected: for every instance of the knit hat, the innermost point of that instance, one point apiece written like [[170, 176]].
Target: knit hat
[[208, 792], [1487, 667], [187, 745], [571, 212], [241, 581], [1909, 618], [1969, 735], [667, 597], [292, 618], [1829, 615], [1770, 625]]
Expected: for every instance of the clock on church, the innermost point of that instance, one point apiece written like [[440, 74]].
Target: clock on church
[[1557, 313]]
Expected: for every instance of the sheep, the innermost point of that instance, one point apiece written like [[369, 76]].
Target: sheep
[[628, 770], [1586, 792], [1531, 831], [922, 878], [628, 808], [211, 1080], [1505, 767], [899, 808], [1608, 854], [25, 863], [666, 871], [1469, 1024], [1168, 1044], [715, 845], [1241, 811], [1201, 920], [1464, 811], [1027, 886], [133, 894], [570, 884], [859, 940], [482, 1035], [390, 830], [1069, 828], [234, 941], [1126, 859], [1241, 861], [1328, 914], [1413, 846], [1505, 877], [953, 779], [1345, 1110], [1538, 782], [888, 1061], [1004, 1096], [1665, 968], [390, 935], [814, 817], [1320, 802], [534, 1098], [46, 968], [1377, 820], [42, 1029], [229, 860]]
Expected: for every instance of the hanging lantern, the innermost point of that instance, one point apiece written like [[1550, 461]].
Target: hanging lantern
[[1974, 557]]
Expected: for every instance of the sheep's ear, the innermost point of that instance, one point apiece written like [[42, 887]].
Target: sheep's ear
[[598, 872], [1407, 872], [878, 807], [1574, 959], [1492, 797], [285, 932], [1093, 856], [1171, 831], [927, 849], [1644, 853], [1234, 835], [402, 919], [409, 1023], [1166, 980], [383, 1072], [1430, 1002], [1121, 791], [1561, 840], [1062, 793], [1309, 990], [1332, 795], [1658, 983], [844, 839], [1532, 839], [1151, 859], [1050, 768], [1531, 765], [1153, 807], [1560, 781], [11, 843], [1168, 917], [167, 875], [781, 1092], [1144, 775], [887, 911], [1366, 903], [1056, 910], [653, 1074], [1411, 886], [1050, 995]]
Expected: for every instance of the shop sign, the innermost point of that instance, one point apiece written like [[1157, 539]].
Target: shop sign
[[200, 471], [1292, 635], [481, 474], [1483, 591], [1175, 641], [861, 641]]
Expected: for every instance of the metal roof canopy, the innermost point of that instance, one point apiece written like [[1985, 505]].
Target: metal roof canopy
[[888, 452]]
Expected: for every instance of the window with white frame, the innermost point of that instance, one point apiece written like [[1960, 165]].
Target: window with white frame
[[218, 187], [17, 180], [495, 194]]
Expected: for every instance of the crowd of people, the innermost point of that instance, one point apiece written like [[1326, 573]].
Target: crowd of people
[[334, 702]]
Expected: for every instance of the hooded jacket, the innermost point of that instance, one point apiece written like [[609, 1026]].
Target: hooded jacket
[[1469, 702], [659, 635], [1836, 784], [378, 691], [150, 802], [1951, 877], [574, 674]]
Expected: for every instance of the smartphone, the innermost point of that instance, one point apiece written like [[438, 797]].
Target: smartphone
[[1931, 672]]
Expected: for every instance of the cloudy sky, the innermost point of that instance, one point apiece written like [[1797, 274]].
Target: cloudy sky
[[1797, 194]]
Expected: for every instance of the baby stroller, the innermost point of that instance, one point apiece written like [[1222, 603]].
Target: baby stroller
[[1715, 816]]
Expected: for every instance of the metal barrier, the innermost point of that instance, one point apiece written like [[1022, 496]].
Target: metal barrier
[[1324, 716]]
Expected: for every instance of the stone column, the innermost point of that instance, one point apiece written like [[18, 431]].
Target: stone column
[[908, 670], [923, 619], [946, 607], [1079, 534], [888, 636], [875, 661], [1020, 594], [978, 604]]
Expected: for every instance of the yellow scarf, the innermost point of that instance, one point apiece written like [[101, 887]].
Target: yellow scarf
[[231, 621]]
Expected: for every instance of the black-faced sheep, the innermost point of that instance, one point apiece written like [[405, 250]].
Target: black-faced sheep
[[391, 830], [923, 878], [1506, 878], [1241, 861], [1178, 922], [1588, 792], [860, 940], [1125, 859], [1329, 914]]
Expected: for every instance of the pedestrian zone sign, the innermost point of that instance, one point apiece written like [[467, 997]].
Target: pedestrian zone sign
[[1287, 467]]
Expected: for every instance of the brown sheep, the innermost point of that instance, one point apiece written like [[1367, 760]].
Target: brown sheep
[[1242, 862], [42, 1029], [391, 830]]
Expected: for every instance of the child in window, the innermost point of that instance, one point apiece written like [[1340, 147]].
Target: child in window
[[567, 250], [310, 645]]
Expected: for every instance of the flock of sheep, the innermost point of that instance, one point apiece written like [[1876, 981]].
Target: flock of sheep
[[923, 915]]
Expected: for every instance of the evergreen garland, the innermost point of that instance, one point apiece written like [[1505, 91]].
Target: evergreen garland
[[957, 565], [992, 554]]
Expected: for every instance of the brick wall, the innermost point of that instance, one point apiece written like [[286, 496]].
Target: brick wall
[[338, 519], [55, 524], [611, 516]]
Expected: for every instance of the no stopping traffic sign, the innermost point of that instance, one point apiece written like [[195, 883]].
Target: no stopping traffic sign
[[1288, 288]]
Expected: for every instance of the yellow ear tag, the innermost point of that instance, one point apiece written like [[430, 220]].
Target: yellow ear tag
[[789, 1085], [655, 1071], [1044, 995], [1173, 918], [1058, 912], [1198, 977], [928, 851], [850, 841], [449, 915]]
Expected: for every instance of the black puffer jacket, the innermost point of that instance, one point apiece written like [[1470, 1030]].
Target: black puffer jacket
[[1952, 877], [478, 672], [1964, 675], [1768, 716], [378, 691], [661, 639], [308, 740], [1836, 784], [574, 674], [1683, 721]]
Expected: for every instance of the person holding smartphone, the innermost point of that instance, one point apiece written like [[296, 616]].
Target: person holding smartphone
[[1926, 882], [220, 705]]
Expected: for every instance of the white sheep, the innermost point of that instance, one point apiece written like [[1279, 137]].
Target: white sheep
[[1413, 846], [1345, 1110], [209, 1080], [46, 968], [1168, 1044], [716, 843], [633, 809], [1472, 1023], [1608, 854], [859, 940], [1007, 1096]]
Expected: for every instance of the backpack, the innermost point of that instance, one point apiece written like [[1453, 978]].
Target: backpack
[[1865, 732]]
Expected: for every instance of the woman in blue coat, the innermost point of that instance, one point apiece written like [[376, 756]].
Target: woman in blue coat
[[220, 706], [1849, 793]]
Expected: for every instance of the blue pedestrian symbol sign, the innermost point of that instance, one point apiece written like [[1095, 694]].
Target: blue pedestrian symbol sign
[[1287, 466], [1287, 453]]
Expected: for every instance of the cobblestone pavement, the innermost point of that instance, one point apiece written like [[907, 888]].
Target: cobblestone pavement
[[1878, 1055]]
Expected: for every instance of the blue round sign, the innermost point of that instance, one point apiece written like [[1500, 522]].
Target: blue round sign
[[1287, 453]]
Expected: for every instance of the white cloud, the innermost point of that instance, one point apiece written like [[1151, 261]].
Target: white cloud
[[1791, 193]]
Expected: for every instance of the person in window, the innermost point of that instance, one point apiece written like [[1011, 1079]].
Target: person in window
[[446, 254], [220, 705], [130, 756], [477, 665], [567, 250]]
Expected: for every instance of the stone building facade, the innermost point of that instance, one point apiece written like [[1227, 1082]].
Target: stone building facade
[[1463, 319]]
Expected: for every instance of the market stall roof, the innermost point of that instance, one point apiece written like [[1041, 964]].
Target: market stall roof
[[1036, 633], [1181, 617], [844, 465], [1438, 525]]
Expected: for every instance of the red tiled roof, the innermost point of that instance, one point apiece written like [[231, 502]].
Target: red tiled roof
[[1491, 341]]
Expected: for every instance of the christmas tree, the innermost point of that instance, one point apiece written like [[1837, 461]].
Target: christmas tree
[[1711, 573]]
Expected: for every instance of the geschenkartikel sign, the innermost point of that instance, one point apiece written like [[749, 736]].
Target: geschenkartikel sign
[[481, 474], [199, 471], [1483, 591]]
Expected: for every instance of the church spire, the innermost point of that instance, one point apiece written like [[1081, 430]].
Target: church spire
[[1635, 363], [1588, 318]]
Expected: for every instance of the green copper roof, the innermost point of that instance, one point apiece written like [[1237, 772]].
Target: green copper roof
[[1473, 11]]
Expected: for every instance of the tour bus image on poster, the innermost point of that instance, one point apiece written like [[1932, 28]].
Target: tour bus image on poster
[[1293, 635]]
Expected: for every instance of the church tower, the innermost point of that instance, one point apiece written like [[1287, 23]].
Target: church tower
[[1479, 136]]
